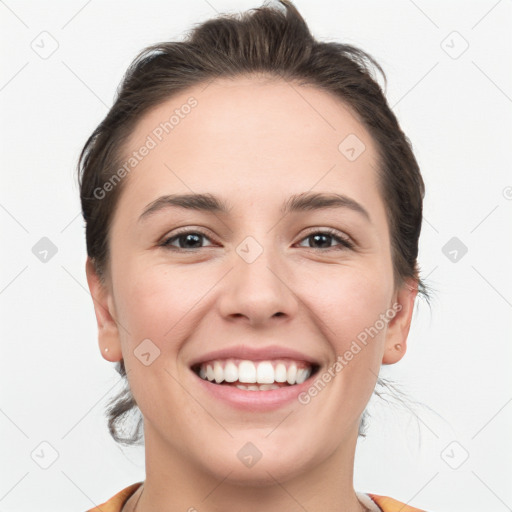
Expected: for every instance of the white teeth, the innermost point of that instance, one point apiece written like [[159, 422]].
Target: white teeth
[[302, 375], [291, 374], [230, 372], [261, 387], [247, 372], [218, 372], [280, 373], [268, 387], [265, 373]]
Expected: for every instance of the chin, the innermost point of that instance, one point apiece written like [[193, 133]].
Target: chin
[[261, 462]]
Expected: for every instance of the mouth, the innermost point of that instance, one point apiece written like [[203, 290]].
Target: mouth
[[251, 375]]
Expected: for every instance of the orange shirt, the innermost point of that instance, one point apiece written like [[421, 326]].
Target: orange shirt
[[115, 504]]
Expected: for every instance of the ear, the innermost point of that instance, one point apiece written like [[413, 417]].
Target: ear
[[398, 326], [108, 332]]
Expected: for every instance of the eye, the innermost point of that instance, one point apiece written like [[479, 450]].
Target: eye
[[323, 239], [186, 240]]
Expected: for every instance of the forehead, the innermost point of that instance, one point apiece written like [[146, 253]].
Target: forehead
[[251, 136]]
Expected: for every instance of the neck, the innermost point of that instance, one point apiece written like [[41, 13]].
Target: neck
[[174, 482]]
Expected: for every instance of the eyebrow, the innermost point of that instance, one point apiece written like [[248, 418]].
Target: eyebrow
[[297, 203]]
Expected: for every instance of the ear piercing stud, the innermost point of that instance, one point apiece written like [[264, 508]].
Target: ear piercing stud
[[398, 346]]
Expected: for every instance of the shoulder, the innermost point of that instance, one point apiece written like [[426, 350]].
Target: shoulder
[[378, 503], [115, 504], [387, 504], [384, 503]]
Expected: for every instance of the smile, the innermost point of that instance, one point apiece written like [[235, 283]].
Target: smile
[[255, 375]]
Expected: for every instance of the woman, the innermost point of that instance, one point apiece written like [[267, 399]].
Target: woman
[[252, 215]]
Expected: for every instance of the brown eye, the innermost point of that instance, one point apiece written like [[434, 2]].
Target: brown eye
[[327, 240], [186, 240]]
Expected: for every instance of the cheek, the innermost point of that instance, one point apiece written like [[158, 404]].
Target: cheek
[[347, 302], [155, 301]]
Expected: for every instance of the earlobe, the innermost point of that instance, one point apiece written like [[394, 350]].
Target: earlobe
[[108, 332], [399, 325]]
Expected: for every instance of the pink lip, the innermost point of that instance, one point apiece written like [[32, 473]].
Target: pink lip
[[256, 401], [254, 354]]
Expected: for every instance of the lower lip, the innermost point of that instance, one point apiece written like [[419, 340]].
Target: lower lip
[[255, 400]]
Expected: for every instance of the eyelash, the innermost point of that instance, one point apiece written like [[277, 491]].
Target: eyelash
[[344, 243]]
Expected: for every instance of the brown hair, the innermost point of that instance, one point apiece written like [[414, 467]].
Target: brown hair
[[274, 41]]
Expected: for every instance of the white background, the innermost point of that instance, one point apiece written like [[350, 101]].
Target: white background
[[457, 113]]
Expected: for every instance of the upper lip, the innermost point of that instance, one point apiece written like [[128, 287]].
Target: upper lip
[[254, 354]]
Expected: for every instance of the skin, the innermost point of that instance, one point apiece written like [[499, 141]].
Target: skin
[[253, 143]]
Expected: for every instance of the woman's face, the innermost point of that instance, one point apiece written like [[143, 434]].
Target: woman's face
[[269, 272]]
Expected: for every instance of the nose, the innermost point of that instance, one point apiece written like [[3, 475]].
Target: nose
[[258, 293]]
